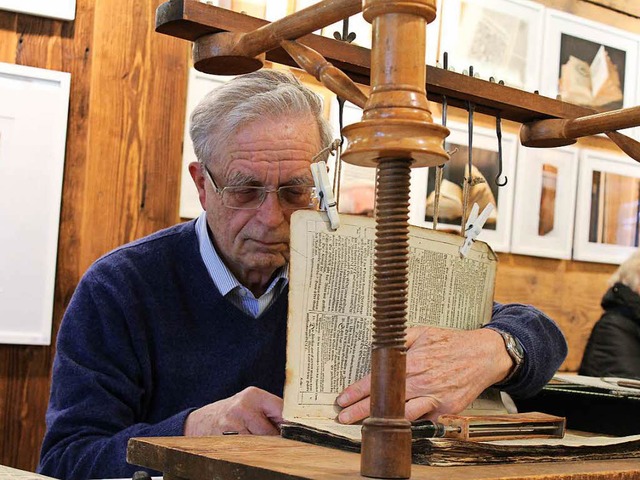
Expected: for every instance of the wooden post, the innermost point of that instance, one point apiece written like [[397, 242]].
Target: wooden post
[[396, 133]]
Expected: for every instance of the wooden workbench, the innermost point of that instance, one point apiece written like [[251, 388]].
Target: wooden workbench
[[262, 458]]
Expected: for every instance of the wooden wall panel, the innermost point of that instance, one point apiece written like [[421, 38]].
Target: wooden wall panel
[[122, 166], [603, 11], [567, 291], [631, 8]]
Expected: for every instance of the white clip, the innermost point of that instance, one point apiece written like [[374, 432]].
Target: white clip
[[474, 225], [325, 192]]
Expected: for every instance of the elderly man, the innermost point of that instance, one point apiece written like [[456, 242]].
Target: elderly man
[[183, 332]]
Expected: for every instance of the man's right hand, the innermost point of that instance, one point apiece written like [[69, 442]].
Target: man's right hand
[[251, 411]]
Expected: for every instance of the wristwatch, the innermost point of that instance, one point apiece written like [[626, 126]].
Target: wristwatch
[[515, 351]]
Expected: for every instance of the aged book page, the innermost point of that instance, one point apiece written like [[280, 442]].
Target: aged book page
[[331, 304], [330, 322]]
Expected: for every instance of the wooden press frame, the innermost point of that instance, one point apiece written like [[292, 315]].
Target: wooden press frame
[[397, 133]]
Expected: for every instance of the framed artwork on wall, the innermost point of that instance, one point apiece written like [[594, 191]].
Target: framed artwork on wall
[[500, 38], [607, 228], [497, 229], [588, 63], [60, 9], [544, 207], [33, 127]]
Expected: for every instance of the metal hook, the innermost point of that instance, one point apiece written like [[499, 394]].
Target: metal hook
[[471, 108], [499, 135], [445, 63], [346, 35], [341, 102]]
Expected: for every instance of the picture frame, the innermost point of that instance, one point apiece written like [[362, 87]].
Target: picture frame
[[544, 207], [33, 129], [500, 38], [497, 229], [589, 63], [58, 9], [607, 222]]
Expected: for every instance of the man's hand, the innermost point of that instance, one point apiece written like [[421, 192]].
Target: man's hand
[[446, 371], [251, 411]]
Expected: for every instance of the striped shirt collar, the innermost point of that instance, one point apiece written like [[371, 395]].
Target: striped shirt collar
[[227, 283]]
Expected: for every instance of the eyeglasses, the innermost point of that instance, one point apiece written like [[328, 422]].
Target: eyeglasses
[[247, 197]]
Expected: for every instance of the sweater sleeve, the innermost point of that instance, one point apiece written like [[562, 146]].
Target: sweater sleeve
[[544, 345], [100, 388]]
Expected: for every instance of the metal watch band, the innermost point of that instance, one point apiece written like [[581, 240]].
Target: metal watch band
[[515, 351]]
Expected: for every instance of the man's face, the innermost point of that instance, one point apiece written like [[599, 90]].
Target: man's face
[[272, 152]]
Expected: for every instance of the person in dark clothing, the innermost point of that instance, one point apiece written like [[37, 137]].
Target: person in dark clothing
[[183, 332], [613, 349]]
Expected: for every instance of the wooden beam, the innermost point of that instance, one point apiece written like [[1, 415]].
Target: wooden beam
[[190, 19], [621, 6]]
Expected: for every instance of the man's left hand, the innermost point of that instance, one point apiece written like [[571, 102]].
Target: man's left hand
[[446, 371]]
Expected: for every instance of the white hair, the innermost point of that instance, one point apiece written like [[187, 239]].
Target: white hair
[[255, 96], [628, 273]]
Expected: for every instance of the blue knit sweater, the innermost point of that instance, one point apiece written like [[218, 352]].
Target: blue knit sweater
[[147, 338]]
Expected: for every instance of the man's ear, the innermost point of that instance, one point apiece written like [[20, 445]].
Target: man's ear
[[195, 170]]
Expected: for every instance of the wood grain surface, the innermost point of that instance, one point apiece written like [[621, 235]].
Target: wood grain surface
[[258, 458], [122, 166]]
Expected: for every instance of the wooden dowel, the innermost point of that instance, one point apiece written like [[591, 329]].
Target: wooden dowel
[[297, 25], [556, 132], [628, 145], [331, 77], [233, 53], [602, 122]]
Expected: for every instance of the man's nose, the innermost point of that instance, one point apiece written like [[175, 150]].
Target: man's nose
[[271, 211]]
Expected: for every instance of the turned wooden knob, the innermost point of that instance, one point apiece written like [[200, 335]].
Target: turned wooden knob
[[397, 122], [219, 54]]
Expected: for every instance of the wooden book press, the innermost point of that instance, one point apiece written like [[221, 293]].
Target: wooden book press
[[396, 133]]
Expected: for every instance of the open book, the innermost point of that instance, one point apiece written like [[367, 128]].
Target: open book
[[331, 318], [595, 85]]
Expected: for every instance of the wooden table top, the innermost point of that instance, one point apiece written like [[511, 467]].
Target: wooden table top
[[259, 458]]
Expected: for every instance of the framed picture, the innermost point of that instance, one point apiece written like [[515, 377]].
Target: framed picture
[[61, 9], [588, 63], [607, 213], [544, 207], [33, 129], [500, 38], [199, 85], [497, 229]]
